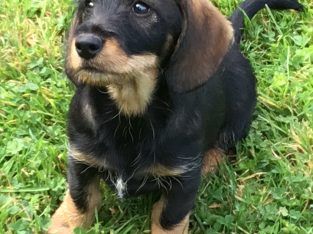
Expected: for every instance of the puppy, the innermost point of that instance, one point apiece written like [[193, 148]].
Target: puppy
[[162, 90]]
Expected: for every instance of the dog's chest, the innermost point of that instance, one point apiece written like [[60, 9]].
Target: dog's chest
[[127, 151], [153, 179], [130, 172]]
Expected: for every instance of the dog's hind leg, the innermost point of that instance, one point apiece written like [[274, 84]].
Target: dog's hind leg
[[211, 161], [80, 201]]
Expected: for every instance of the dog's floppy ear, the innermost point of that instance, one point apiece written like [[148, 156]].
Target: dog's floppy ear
[[205, 39]]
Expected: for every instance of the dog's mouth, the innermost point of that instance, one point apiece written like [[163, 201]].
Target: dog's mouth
[[96, 77], [94, 69], [129, 88], [89, 69]]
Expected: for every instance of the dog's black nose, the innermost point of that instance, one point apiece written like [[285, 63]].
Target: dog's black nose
[[88, 45]]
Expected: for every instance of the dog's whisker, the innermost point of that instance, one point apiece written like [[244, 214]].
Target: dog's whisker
[[152, 128], [114, 117], [85, 170], [145, 179], [178, 181], [166, 182], [130, 130], [136, 160]]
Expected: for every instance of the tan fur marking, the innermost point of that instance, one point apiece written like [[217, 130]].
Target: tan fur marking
[[156, 228], [220, 26], [74, 61], [133, 96], [113, 59], [195, 61], [112, 65], [220, 29], [130, 80], [160, 170], [67, 217], [88, 160], [167, 45], [212, 159]]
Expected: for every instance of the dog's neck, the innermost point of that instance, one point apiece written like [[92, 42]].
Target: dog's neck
[[133, 95]]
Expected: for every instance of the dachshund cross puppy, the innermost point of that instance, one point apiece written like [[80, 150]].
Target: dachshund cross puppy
[[162, 90]]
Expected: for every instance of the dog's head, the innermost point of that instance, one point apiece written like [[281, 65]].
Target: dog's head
[[114, 40], [117, 42]]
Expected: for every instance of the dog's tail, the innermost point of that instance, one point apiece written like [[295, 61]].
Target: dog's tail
[[251, 7]]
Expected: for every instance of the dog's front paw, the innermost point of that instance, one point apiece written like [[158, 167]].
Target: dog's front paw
[[156, 228], [60, 224], [67, 217], [60, 229]]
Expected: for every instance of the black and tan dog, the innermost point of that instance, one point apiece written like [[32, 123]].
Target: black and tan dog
[[162, 90]]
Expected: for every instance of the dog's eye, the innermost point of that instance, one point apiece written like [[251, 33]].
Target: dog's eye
[[141, 8], [89, 3]]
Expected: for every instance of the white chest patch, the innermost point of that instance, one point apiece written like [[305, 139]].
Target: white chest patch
[[121, 187]]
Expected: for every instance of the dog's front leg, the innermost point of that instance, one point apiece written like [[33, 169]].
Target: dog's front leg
[[80, 201], [170, 215]]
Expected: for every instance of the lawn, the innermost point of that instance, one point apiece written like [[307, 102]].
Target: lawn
[[269, 189]]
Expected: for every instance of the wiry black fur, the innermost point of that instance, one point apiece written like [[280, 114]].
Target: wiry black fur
[[176, 129]]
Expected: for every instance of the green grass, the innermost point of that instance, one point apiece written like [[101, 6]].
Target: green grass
[[268, 190]]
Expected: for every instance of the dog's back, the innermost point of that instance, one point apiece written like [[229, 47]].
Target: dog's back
[[239, 80]]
